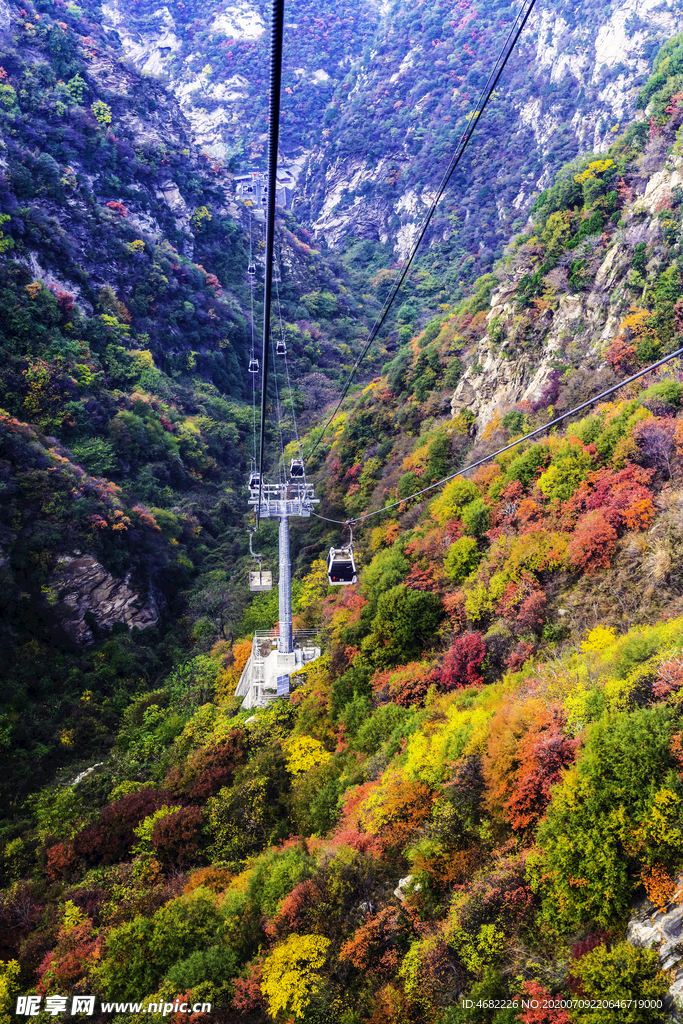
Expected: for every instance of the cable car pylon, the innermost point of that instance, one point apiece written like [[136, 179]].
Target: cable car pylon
[[277, 654]]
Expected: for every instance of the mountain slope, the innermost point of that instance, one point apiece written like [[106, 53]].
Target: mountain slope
[[474, 797]]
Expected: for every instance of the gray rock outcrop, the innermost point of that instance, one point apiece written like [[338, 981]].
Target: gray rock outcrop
[[649, 927], [82, 585]]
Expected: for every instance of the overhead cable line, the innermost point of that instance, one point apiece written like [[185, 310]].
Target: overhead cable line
[[480, 107], [289, 383], [276, 31], [513, 444], [253, 353], [281, 470]]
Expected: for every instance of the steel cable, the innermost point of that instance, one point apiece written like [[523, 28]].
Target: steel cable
[[486, 93], [513, 444]]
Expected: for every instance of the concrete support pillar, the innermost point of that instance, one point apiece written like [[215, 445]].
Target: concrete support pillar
[[285, 588]]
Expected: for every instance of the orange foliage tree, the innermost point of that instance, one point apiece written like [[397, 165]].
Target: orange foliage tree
[[593, 542]]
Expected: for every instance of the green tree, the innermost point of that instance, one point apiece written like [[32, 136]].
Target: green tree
[[388, 568], [455, 496], [614, 812], [477, 517], [622, 973], [404, 625], [462, 559]]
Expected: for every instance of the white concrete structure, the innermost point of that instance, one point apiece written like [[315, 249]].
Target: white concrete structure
[[267, 674]]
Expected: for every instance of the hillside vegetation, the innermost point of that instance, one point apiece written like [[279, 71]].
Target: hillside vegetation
[[467, 796]]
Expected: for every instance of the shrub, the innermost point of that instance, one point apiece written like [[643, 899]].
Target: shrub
[[216, 964], [177, 837], [668, 391], [462, 559], [592, 543], [623, 972], [462, 664]]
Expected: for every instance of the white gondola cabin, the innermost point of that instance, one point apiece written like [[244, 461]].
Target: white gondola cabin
[[281, 348], [260, 581], [251, 270], [254, 481], [253, 366], [341, 568], [296, 469]]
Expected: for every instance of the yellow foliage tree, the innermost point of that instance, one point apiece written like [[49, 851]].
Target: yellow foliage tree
[[598, 639], [9, 976], [593, 170], [290, 974], [102, 113], [305, 753], [315, 585]]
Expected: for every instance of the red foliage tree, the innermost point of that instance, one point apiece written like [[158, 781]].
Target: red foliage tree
[[208, 769], [110, 838], [531, 612], [669, 678], [622, 357], [118, 208], [304, 910], [623, 496], [592, 543], [461, 666], [65, 301], [63, 968], [418, 579], [543, 759], [376, 946], [542, 1010], [248, 997], [61, 861], [177, 837], [519, 655], [407, 685]]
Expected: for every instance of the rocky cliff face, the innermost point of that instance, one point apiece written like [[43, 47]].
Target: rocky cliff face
[[580, 327], [81, 586], [573, 81], [377, 99], [216, 64]]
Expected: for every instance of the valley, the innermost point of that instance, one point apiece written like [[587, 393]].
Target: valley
[[470, 804]]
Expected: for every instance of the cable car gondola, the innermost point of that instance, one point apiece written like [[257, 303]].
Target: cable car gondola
[[259, 580], [281, 348], [251, 270], [296, 468], [341, 567], [254, 480], [253, 366]]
